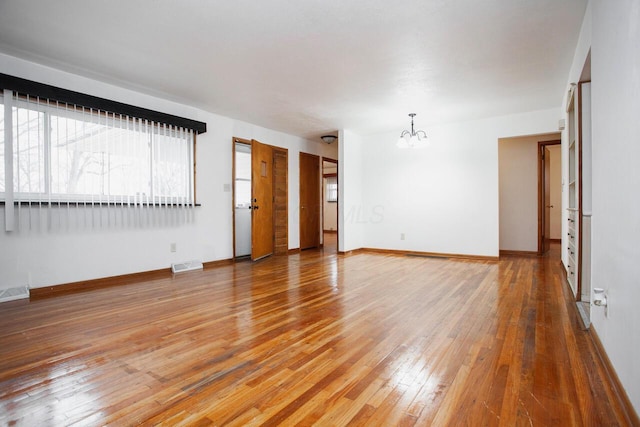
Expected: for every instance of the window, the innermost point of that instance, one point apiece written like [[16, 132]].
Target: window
[[65, 153], [54, 152], [332, 188]]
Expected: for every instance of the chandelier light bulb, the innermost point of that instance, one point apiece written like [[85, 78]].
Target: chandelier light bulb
[[402, 143]]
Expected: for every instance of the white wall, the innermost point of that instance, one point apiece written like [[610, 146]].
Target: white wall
[[518, 175], [615, 66], [444, 198], [555, 186], [42, 258], [352, 214]]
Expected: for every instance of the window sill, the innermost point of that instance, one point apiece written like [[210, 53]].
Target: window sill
[[100, 204]]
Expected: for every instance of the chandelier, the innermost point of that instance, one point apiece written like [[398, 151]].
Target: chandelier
[[413, 138]]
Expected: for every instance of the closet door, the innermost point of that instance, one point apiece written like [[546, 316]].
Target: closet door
[[309, 201]]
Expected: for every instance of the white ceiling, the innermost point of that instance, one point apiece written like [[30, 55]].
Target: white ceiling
[[310, 67]]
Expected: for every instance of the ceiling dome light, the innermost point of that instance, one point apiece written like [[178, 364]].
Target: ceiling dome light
[[329, 139]]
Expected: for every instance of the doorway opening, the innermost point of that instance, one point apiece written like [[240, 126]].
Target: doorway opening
[[241, 199], [519, 195], [330, 205], [549, 195]]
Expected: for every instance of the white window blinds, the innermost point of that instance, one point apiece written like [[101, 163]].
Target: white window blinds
[[56, 156]]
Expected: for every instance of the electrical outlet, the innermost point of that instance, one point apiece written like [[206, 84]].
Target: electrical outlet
[[401, 236], [172, 247]]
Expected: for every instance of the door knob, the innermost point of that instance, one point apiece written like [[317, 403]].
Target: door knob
[[549, 206]]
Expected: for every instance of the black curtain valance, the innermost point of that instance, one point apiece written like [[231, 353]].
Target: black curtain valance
[[31, 88]]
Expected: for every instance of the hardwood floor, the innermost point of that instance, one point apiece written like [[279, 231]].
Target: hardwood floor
[[310, 338]]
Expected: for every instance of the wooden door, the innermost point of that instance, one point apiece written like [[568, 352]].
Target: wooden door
[[546, 237], [309, 201], [262, 200]]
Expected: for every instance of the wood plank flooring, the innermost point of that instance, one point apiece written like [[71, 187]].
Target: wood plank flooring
[[310, 339]]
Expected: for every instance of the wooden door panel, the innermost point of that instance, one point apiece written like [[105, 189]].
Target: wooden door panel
[[309, 201], [262, 200], [280, 201]]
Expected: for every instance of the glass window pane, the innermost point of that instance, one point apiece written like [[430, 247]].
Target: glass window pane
[[92, 158], [243, 193], [243, 165], [170, 165], [243, 175], [28, 151]]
